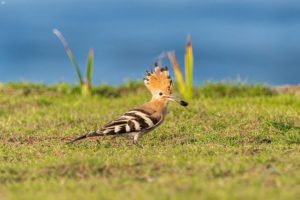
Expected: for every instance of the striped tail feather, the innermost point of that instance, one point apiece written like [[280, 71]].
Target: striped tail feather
[[92, 134]]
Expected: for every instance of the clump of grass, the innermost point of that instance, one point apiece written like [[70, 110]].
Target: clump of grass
[[85, 83], [227, 89], [28, 88], [210, 90], [185, 86], [121, 90], [106, 90]]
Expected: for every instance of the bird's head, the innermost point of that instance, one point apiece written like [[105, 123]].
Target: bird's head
[[159, 83]]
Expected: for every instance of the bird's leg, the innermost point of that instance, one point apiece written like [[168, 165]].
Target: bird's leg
[[135, 140]]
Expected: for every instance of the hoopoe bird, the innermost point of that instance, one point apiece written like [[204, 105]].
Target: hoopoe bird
[[143, 119]]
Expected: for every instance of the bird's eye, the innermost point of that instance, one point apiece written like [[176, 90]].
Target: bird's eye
[[160, 94]]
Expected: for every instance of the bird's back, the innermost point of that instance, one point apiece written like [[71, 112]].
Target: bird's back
[[141, 119]]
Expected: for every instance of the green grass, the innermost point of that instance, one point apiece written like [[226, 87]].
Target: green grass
[[225, 145]]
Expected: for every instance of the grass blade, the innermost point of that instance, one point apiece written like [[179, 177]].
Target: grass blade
[[178, 74], [87, 85], [70, 54], [189, 65], [90, 65]]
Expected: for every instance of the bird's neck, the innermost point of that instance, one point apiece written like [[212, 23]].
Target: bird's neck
[[158, 105]]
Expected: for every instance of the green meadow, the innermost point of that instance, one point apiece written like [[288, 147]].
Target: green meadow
[[233, 141]]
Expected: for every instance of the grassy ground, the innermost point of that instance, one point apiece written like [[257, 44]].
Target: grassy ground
[[232, 142]]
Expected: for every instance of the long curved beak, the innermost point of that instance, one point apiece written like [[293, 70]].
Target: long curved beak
[[177, 100]]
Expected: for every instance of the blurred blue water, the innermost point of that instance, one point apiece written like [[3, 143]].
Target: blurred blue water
[[258, 41]]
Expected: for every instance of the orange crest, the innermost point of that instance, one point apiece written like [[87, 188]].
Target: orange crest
[[159, 80]]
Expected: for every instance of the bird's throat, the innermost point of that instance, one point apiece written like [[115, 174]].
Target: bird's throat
[[159, 105]]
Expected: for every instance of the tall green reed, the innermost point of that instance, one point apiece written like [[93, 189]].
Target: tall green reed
[[86, 82], [185, 86]]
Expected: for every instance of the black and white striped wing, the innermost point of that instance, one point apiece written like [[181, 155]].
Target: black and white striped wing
[[136, 120]]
